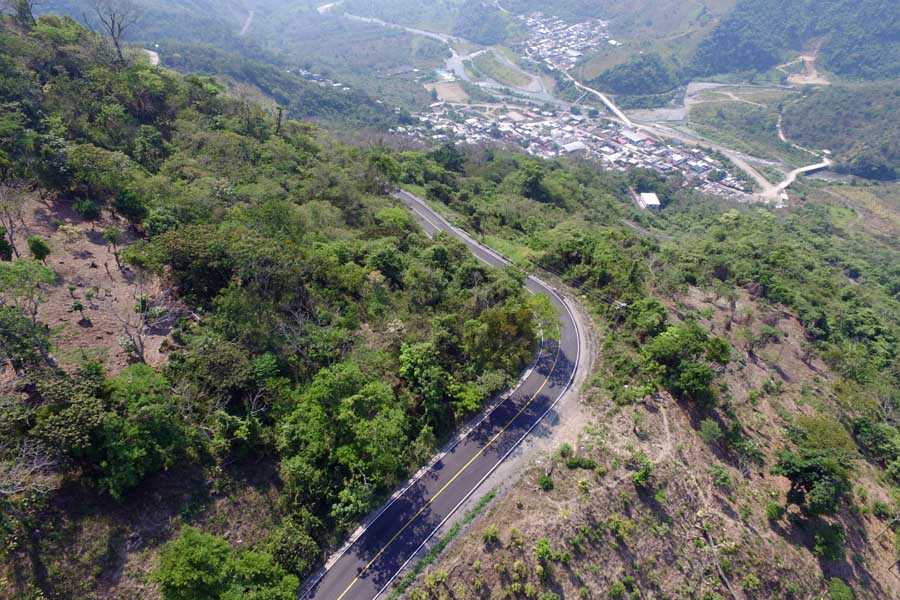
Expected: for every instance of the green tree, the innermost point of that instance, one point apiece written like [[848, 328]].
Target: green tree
[[78, 307], [113, 236], [23, 342], [420, 368], [256, 576], [39, 248], [819, 467], [193, 566], [23, 284], [532, 175], [293, 546], [88, 210], [129, 205], [6, 249], [838, 590]]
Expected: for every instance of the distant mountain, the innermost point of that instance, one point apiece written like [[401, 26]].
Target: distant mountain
[[860, 123], [860, 39], [204, 37]]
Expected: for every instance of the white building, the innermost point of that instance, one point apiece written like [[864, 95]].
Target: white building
[[574, 147], [649, 200]]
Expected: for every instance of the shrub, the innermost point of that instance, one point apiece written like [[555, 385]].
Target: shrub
[[641, 478], [516, 539], [490, 535], [6, 249], [828, 542], [774, 511], [751, 582], [131, 207], [543, 551], [838, 590], [881, 510], [38, 247], [721, 477], [581, 462], [193, 567], [710, 431], [617, 590], [545, 482], [565, 450], [88, 209]]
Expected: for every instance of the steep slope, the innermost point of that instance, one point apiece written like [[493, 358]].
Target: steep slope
[[860, 38], [219, 335], [204, 37], [858, 123], [746, 407]]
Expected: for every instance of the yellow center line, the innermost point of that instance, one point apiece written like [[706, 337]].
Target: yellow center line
[[452, 479]]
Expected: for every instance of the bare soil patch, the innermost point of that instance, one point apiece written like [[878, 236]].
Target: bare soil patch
[[701, 527], [87, 272], [451, 91]]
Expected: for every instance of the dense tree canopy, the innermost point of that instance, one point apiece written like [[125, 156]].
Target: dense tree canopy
[[328, 333]]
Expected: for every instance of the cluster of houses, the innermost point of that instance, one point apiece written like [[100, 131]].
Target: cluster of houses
[[551, 133], [551, 39], [318, 79]]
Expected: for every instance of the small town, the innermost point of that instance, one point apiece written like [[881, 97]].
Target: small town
[[549, 133], [552, 40]]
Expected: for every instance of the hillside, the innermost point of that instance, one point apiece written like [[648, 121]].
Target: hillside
[[748, 371], [860, 37], [214, 320], [223, 342], [859, 124], [205, 38]]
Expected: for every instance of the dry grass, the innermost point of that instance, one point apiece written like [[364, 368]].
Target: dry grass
[[87, 271], [449, 91], [694, 536]]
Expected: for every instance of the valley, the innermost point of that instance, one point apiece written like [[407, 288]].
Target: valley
[[470, 299]]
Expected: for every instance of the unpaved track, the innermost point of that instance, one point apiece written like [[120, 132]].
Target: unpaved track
[[247, 23]]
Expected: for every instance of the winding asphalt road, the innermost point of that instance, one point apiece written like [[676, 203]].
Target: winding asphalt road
[[371, 561]]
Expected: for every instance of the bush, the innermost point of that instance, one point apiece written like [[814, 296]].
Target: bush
[[751, 582], [828, 542], [131, 207], [721, 477], [617, 590], [838, 590], [542, 551], [774, 511], [881, 510], [192, 567], [38, 247], [491, 535], [6, 249], [642, 477], [197, 566], [581, 462], [710, 431], [545, 482], [293, 547], [88, 209]]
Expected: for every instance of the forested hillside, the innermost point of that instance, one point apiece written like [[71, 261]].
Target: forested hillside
[[646, 74], [205, 38], [860, 37], [746, 402], [313, 346], [860, 124]]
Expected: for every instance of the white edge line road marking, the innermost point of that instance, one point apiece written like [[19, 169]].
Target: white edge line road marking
[[499, 462], [358, 533]]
